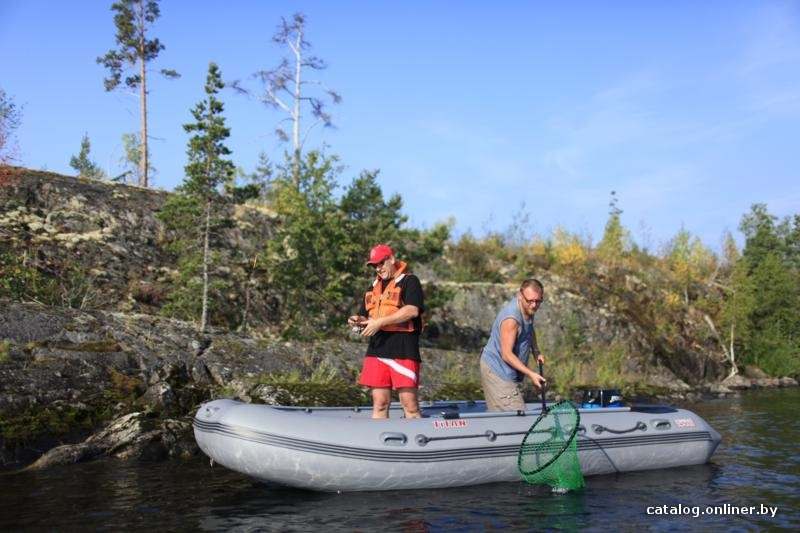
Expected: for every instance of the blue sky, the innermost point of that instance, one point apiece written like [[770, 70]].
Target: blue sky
[[689, 110]]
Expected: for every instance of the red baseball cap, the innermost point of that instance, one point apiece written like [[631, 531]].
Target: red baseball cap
[[379, 253]]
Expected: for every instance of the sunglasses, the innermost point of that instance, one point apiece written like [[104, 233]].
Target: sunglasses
[[537, 301], [378, 266]]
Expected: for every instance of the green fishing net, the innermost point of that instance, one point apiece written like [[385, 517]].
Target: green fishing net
[[549, 452]]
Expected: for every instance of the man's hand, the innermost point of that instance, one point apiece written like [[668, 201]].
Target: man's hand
[[540, 359], [356, 321], [537, 380], [371, 327]]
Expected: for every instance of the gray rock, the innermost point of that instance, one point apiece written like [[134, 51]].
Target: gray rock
[[200, 374], [159, 397], [133, 436], [788, 382], [767, 383], [718, 389], [753, 372], [269, 394], [670, 383], [737, 382], [241, 389], [219, 373]]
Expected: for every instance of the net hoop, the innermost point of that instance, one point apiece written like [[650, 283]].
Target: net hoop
[[567, 441]]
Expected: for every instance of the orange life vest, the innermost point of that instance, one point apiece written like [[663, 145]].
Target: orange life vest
[[384, 303]]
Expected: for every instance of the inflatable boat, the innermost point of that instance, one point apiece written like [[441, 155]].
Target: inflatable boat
[[454, 444]]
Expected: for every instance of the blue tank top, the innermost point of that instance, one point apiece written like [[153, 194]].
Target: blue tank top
[[522, 346]]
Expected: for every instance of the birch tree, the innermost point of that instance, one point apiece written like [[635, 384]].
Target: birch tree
[[131, 156], [133, 20], [288, 89]]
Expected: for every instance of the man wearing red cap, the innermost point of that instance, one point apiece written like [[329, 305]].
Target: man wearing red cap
[[391, 316]]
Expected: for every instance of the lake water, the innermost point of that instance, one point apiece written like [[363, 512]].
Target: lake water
[[757, 464]]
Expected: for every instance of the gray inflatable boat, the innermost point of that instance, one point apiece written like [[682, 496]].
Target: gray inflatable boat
[[454, 444]]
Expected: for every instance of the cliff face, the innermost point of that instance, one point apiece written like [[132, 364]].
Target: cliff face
[[108, 229], [104, 241]]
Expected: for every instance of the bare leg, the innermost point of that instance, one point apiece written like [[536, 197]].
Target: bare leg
[[381, 398], [408, 399]]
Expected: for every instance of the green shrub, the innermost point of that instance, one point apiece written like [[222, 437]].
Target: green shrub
[[62, 285]]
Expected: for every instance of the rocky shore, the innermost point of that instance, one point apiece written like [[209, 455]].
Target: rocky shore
[[76, 385]]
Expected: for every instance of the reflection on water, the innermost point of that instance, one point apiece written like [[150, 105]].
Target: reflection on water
[[757, 463]]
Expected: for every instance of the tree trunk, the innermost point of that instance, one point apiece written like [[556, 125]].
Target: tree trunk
[[246, 312], [204, 315], [144, 164], [732, 353], [728, 354], [296, 112], [143, 156]]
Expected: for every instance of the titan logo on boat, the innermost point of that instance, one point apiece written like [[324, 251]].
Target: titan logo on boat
[[449, 424], [684, 422]]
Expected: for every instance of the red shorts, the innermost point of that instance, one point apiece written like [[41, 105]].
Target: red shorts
[[384, 373]]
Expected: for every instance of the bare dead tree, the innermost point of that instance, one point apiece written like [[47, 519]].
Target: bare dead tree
[[286, 88], [730, 352]]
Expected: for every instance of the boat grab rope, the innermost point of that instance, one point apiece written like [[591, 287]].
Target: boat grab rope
[[490, 435], [600, 429]]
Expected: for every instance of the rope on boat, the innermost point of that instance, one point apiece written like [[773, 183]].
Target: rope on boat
[[490, 435]]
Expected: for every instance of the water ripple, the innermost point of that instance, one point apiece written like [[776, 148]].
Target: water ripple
[[757, 463]]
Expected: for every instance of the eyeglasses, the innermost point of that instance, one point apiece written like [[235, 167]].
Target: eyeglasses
[[537, 301], [379, 266]]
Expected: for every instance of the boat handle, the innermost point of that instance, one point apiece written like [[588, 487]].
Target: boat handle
[[600, 429], [660, 423], [394, 439]]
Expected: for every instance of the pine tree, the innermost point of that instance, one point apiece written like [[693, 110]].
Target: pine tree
[[84, 166], [761, 235], [769, 263], [615, 241], [133, 19], [730, 251], [198, 209], [255, 184]]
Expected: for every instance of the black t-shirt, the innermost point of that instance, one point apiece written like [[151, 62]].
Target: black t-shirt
[[399, 344]]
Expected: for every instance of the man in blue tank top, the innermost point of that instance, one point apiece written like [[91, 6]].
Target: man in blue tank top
[[504, 361]]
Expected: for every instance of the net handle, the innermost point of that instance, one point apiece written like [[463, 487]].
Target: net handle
[[541, 373]]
